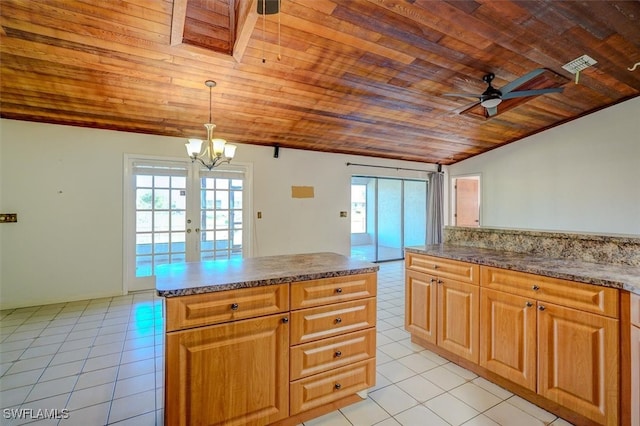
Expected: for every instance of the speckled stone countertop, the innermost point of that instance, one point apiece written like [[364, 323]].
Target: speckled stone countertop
[[184, 279], [617, 276]]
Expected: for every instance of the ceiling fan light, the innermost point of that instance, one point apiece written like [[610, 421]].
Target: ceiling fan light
[[491, 102]]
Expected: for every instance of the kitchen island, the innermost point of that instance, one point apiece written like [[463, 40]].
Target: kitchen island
[[267, 340], [559, 332]]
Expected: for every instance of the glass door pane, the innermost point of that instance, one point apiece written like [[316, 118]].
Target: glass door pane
[[389, 224], [160, 221], [415, 212]]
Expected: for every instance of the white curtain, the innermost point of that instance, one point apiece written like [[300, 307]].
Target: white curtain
[[435, 208]]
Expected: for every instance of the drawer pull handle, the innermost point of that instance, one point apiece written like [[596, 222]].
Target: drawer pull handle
[[535, 288], [529, 304], [541, 308], [337, 386], [285, 320], [234, 306], [338, 354], [338, 290], [338, 320]]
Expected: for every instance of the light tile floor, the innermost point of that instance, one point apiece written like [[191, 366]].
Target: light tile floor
[[100, 362]]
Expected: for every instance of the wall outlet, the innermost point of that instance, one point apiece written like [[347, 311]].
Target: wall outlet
[[8, 217]]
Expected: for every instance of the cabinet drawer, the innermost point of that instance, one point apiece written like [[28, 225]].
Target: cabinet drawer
[[211, 308], [306, 294], [326, 354], [584, 297], [635, 309], [446, 268], [327, 321], [331, 386]]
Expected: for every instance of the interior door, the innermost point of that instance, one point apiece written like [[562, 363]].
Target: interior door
[[467, 201]]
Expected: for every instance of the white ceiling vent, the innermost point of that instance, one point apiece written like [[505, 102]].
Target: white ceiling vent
[[578, 64]]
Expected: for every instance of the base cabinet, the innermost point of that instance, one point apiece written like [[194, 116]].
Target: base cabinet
[[228, 374], [442, 304], [508, 337], [279, 354], [578, 361], [554, 341]]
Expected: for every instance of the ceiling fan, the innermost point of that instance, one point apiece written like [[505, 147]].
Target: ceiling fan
[[492, 97]]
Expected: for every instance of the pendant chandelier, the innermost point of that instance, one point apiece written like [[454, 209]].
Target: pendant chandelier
[[216, 151]]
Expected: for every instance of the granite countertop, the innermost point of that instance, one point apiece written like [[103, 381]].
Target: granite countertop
[[182, 279], [608, 275]]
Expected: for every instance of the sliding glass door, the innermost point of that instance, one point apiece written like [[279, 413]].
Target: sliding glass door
[[387, 214]]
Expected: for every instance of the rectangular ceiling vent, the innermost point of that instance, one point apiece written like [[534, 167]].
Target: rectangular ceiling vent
[[578, 64]]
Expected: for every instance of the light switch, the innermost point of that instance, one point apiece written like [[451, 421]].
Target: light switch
[[343, 214], [8, 217]]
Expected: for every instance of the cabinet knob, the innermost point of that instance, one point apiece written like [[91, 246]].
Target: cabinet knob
[[529, 304], [234, 306], [541, 308], [435, 266], [535, 288], [285, 320], [440, 281], [338, 354], [338, 320], [338, 290], [337, 386], [433, 280]]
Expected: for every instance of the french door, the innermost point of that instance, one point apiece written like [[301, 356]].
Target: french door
[[177, 212]]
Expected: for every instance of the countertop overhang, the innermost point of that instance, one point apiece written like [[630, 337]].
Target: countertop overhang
[[183, 279], [608, 275]]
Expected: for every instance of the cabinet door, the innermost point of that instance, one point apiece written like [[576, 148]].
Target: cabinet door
[[420, 305], [232, 374], [458, 318], [578, 361], [508, 336]]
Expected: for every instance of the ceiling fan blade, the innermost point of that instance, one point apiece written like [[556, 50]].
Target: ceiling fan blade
[[525, 93], [521, 80], [463, 95], [492, 111]]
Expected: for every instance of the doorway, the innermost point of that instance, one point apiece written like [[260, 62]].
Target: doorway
[[387, 214], [176, 212], [466, 201]]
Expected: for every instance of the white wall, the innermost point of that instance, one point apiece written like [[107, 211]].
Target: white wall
[[66, 184], [582, 176]]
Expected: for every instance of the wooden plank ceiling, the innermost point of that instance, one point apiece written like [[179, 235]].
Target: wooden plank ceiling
[[355, 76]]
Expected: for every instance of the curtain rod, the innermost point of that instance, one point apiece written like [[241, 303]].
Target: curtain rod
[[396, 168]]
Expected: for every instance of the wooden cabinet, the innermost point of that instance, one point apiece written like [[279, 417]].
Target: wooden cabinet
[[578, 361], [443, 309], [508, 336], [566, 351], [333, 340], [277, 354], [421, 294], [234, 373]]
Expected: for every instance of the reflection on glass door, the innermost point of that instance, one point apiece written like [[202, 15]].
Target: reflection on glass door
[[386, 215]]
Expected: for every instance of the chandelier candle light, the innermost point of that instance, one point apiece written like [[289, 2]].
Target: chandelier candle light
[[217, 151]]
